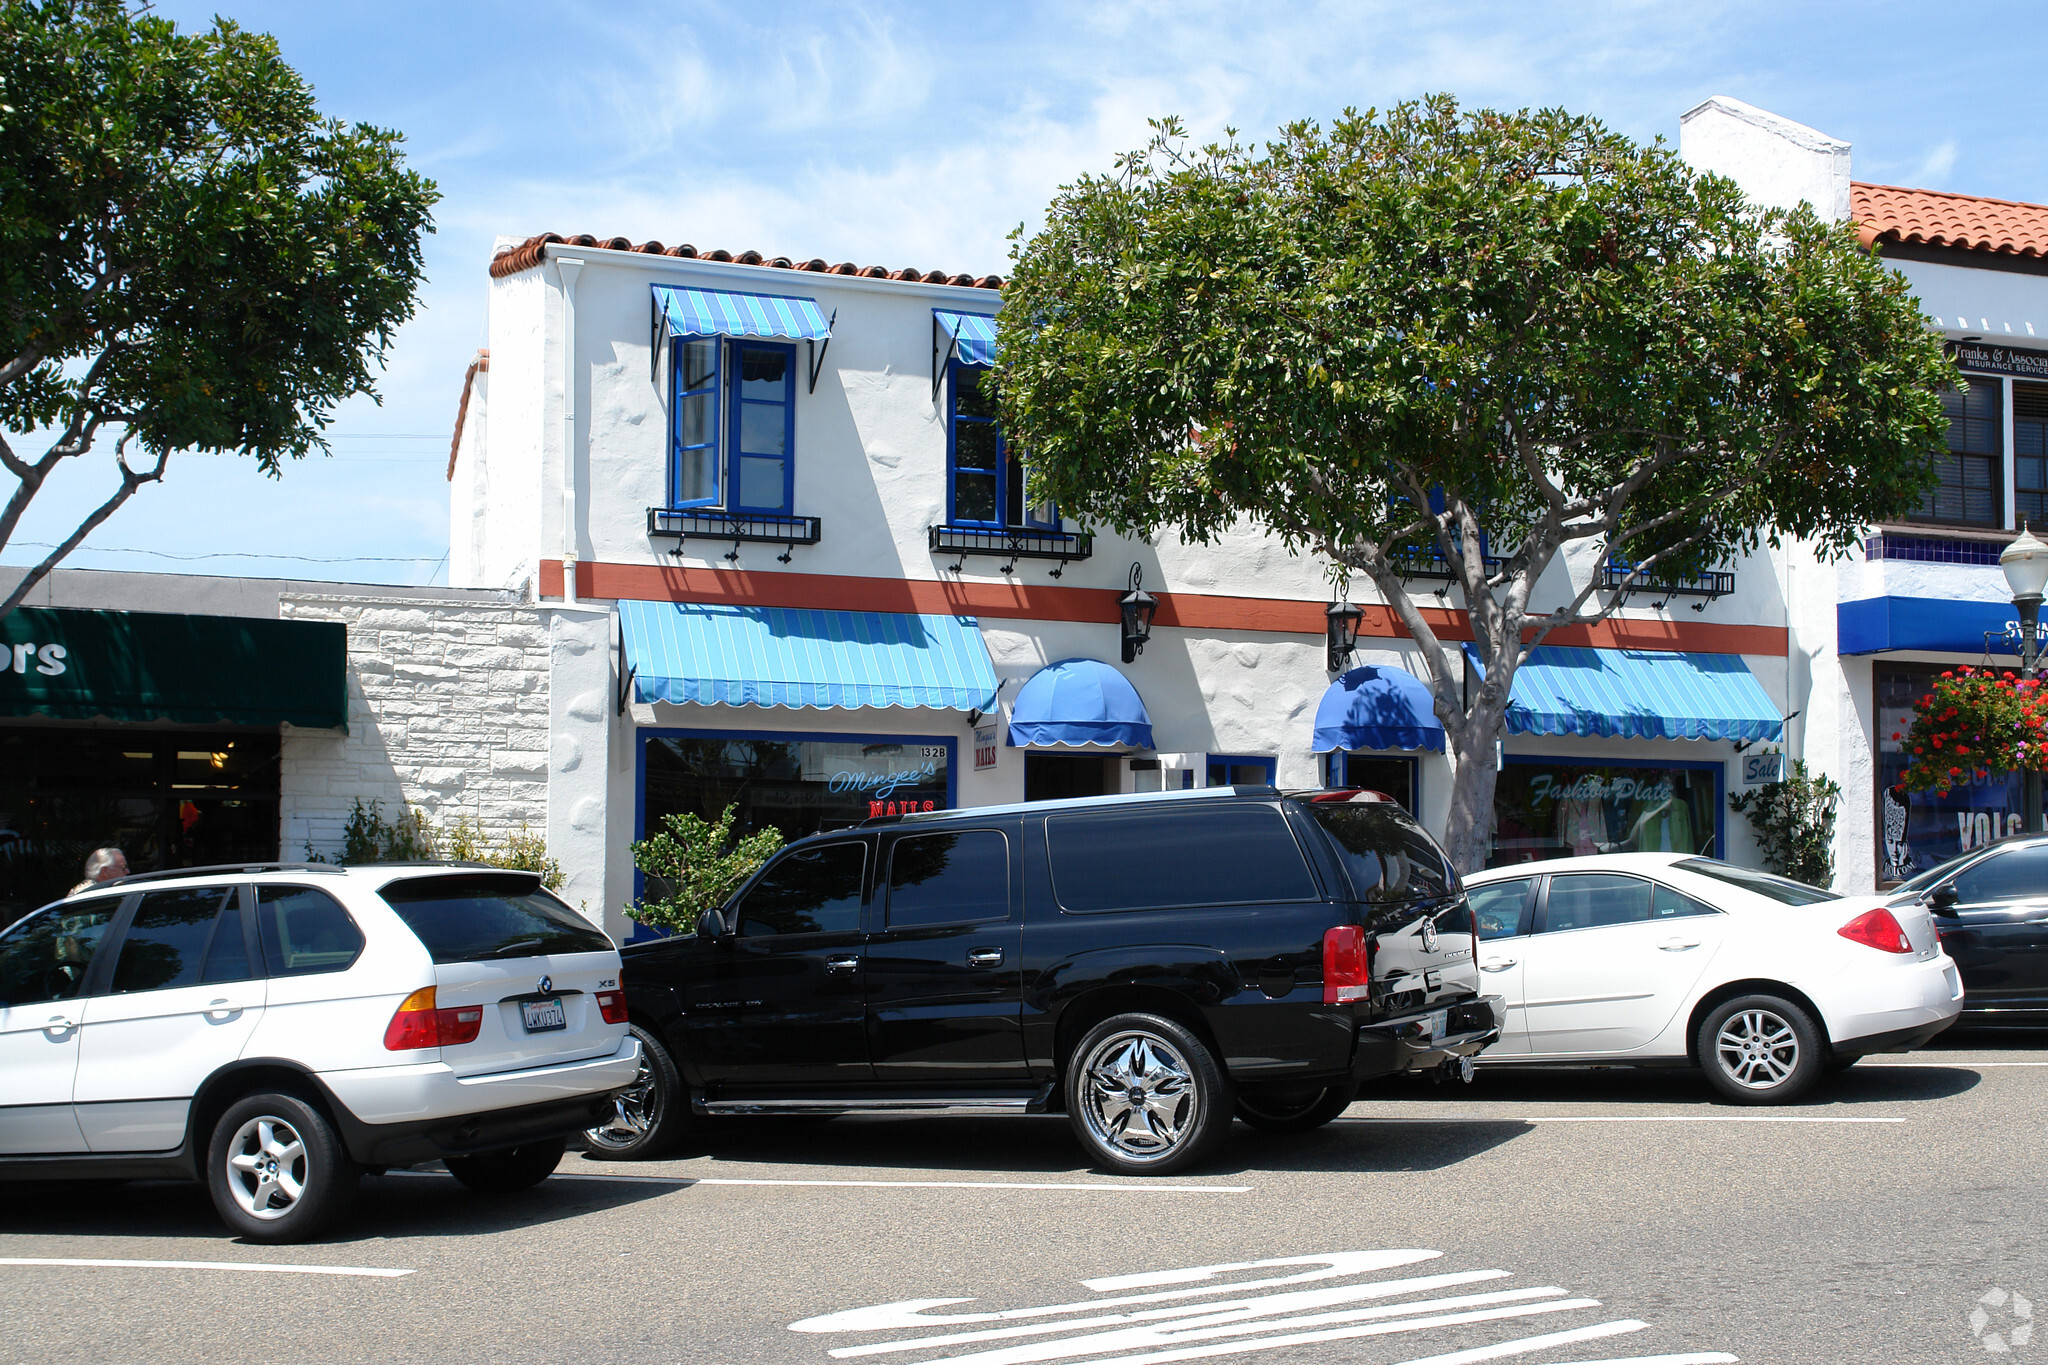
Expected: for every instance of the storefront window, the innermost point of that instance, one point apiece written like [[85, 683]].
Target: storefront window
[[1917, 830], [797, 786], [165, 799], [1565, 808]]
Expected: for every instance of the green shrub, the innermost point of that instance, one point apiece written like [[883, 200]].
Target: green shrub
[[411, 837], [1794, 820], [692, 864]]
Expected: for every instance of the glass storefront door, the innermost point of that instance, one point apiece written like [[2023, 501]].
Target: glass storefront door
[[1569, 807]]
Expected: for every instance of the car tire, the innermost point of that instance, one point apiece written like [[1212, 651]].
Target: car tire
[[1185, 1099], [1277, 1109], [648, 1116], [277, 1171], [1835, 1064], [509, 1169], [1761, 1049]]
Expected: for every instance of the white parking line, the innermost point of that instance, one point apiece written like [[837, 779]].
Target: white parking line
[[1963, 1066], [372, 1272], [1624, 1118], [687, 1180]]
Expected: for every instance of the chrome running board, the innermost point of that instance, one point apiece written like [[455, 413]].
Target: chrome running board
[[934, 1105]]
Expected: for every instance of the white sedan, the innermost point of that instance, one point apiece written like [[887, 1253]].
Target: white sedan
[[1664, 959]]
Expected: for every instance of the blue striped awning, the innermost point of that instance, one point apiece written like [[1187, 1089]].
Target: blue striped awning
[[976, 331], [718, 655], [719, 312], [1637, 694]]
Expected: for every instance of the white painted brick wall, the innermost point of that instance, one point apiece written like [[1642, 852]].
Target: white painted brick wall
[[447, 711]]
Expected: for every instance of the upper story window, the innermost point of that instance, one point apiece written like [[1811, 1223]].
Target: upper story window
[[2030, 452], [733, 435], [985, 478], [1972, 468]]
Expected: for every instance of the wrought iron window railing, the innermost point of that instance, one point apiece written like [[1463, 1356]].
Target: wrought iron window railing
[[1710, 583], [1010, 544], [710, 523], [1430, 563]]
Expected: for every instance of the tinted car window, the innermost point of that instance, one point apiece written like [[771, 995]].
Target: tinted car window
[[1669, 904], [2014, 874], [474, 918], [166, 942], [1781, 889], [1238, 854], [1497, 907], [949, 878], [45, 957], [807, 891], [1594, 900], [304, 931], [1384, 852]]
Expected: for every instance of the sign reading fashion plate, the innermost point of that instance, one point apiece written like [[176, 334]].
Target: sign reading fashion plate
[[1974, 355]]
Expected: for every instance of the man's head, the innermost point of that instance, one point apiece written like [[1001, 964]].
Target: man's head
[[105, 865]]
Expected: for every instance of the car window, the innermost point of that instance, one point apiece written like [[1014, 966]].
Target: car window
[[1668, 904], [1768, 885], [1497, 906], [304, 931], [476, 917], [949, 878], [1385, 853], [1235, 854], [165, 944], [45, 957], [2010, 875], [1921, 881], [813, 890], [1595, 900]]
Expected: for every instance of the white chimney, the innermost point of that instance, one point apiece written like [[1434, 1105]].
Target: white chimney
[[1777, 162]]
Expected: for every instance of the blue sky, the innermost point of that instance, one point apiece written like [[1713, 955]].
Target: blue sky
[[921, 134]]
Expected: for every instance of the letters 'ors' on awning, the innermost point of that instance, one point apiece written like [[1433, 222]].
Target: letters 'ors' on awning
[[192, 670], [1637, 694], [720, 655], [728, 313], [1377, 707]]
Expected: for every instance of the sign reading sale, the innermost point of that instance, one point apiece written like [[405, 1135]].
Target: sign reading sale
[[984, 747]]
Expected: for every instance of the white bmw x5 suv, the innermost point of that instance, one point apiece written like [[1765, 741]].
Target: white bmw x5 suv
[[277, 1030]]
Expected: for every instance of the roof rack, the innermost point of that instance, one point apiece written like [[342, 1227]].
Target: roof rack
[[218, 869], [1080, 803]]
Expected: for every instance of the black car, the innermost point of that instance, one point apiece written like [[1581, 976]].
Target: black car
[[1990, 907], [1148, 965]]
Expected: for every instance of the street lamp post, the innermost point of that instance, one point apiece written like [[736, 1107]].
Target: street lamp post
[[2025, 562]]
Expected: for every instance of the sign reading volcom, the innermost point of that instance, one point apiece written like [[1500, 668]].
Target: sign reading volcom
[[48, 660]]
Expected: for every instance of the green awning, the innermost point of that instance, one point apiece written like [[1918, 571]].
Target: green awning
[[192, 670]]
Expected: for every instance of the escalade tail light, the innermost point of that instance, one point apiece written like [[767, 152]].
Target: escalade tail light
[[1877, 929], [1347, 965], [418, 1024]]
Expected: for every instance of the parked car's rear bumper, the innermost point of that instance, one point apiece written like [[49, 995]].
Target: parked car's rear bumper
[[428, 1091], [1386, 1046], [1886, 1007]]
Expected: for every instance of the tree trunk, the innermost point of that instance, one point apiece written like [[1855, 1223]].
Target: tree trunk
[[1468, 826]]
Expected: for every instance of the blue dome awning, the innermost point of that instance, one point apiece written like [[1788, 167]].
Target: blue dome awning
[[1377, 707], [1080, 701]]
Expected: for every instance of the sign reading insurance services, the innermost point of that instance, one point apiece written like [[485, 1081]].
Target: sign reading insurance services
[[1972, 355]]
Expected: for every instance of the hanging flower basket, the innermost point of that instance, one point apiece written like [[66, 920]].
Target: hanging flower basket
[[1976, 721]]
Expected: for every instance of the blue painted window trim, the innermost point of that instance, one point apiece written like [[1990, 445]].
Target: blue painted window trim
[[1720, 771], [642, 933], [734, 427], [1267, 761], [1006, 469], [716, 389]]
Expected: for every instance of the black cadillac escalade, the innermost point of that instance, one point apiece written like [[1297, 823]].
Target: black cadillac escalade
[[1150, 965]]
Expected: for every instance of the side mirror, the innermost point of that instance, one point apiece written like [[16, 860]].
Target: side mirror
[[711, 924], [1943, 897]]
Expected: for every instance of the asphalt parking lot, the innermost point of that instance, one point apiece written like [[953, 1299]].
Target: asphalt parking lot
[[1532, 1217]]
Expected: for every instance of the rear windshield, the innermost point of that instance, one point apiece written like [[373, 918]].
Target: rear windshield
[[1781, 889], [475, 917], [1385, 853]]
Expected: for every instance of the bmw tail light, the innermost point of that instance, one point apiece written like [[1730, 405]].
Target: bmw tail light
[[1877, 929], [418, 1024], [613, 1006], [1347, 967]]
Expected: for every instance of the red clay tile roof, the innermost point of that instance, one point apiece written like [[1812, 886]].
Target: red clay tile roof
[[528, 253], [1891, 213], [482, 364]]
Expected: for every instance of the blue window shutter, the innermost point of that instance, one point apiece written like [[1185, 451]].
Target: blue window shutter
[[695, 464]]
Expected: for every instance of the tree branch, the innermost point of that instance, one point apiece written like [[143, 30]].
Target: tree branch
[[130, 481]]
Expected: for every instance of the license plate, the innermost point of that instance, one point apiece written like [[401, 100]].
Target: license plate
[[1436, 1023], [542, 1016]]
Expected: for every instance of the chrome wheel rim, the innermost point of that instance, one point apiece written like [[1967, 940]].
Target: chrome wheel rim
[[1138, 1095], [266, 1167], [1757, 1048], [632, 1112]]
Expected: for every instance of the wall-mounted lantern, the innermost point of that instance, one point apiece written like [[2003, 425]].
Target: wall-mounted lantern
[[1343, 619], [1138, 608]]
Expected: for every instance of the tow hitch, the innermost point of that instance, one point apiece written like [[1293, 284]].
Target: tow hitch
[[1454, 1069]]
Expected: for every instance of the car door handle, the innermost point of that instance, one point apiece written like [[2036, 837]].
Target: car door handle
[[1678, 945], [841, 964], [222, 1008], [985, 957], [59, 1024], [1496, 964]]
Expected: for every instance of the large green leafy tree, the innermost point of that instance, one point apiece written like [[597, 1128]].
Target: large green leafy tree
[[1471, 338], [191, 257]]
